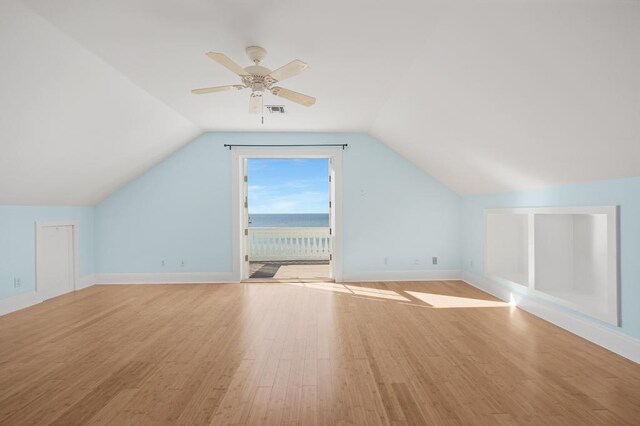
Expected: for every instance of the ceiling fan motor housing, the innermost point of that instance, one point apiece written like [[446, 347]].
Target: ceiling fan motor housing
[[257, 80]]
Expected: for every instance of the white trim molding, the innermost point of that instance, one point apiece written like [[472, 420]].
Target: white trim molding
[[167, 278], [418, 275], [86, 281], [238, 157], [19, 301], [613, 340], [25, 300]]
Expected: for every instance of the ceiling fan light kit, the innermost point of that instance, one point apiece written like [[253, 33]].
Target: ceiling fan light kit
[[260, 79]]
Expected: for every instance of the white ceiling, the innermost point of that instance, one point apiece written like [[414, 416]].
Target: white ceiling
[[484, 96], [357, 51], [523, 95]]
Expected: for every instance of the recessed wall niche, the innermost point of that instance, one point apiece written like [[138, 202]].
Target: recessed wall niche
[[564, 254]]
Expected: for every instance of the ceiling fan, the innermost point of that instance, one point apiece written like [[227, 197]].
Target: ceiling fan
[[260, 79]]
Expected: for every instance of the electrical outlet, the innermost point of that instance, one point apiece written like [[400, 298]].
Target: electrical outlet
[[434, 260], [163, 263], [17, 282]]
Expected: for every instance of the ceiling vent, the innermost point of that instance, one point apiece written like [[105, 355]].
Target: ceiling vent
[[276, 109]]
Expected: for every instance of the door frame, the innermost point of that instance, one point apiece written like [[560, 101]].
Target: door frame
[[239, 155], [75, 249]]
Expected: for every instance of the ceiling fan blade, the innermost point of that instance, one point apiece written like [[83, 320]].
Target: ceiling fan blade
[[255, 103], [292, 69], [216, 89], [223, 60], [296, 97]]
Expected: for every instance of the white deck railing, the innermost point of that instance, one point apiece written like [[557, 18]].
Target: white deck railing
[[282, 244]]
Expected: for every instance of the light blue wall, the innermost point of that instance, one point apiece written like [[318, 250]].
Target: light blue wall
[[622, 192], [17, 243], [393, 209], [181, 210]]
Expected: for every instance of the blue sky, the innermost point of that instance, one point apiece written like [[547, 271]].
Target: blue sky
[[288, 185]]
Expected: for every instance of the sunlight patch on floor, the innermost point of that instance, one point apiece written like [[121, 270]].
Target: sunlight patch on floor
[[442, 301], [431, 300], [370, 290], [352, 289], [380, 296], [328, 286], [375, 292]]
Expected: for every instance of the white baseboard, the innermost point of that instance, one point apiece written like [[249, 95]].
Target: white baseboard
[[424, 275], [19, 301], [86, 281], [167, 278], [613, 340], [24, 300]]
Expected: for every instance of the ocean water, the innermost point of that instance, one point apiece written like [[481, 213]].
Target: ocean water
[[298, 220]]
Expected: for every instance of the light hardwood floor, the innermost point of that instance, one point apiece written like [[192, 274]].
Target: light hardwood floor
[[371, 353]]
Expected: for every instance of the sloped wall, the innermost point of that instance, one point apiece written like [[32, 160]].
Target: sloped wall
[[73, 129]]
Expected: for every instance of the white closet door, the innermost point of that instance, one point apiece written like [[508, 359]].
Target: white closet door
[[55, 266]]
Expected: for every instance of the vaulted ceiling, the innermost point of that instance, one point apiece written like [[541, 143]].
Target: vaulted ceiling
[[358, 52], [518, 95], [72, 128], [484, 96]]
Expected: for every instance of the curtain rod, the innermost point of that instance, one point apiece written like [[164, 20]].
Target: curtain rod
[[343, 145]]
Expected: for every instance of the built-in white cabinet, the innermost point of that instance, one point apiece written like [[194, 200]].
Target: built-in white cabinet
[[566, 254]]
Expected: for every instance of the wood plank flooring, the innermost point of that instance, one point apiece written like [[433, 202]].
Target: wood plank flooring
[[303, 353]]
